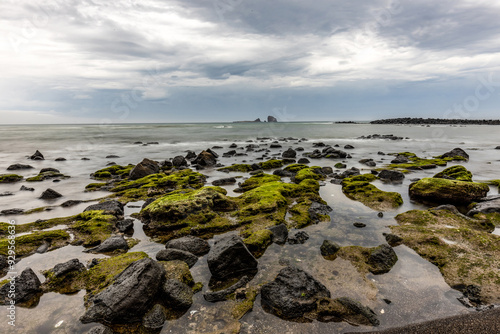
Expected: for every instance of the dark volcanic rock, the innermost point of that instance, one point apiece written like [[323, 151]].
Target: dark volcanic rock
[[229, 256], [274, 145], [359, 225], [129, 297], [179, 161], [60, 159], [125, 225], [155, 318], [14, 211], [27, 286], [368, 316], [178, 295], [190, 155], [382, 259], [456, 152], [393, 240], [37, 156], [271, 119], [290, 153], [6, 193], [224, 182], [298, 237], [400, 159], [191, 244], [50, 194], [19, 167], [293, 293], [144, 168], [488, 206], [24, 188], [368, 162], [392, 175], [100, 330], [171, 254], [71, 202], [303, 161], [116, 242], [329, 248], [221, 295], [110, 207], [66, 267], [280, 233], [316, 209], [49, 169], [3, 262], [205, 159]]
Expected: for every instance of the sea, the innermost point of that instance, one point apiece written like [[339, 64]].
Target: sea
[[413, 291]]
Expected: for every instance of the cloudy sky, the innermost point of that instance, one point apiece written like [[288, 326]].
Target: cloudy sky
[[80, 61]]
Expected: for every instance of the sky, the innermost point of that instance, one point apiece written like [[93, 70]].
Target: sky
[[101, 61]]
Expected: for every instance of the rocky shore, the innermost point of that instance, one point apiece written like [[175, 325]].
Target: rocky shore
[[433, 121], [258, 204]]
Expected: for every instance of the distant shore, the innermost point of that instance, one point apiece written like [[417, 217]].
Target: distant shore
[[420, 121]]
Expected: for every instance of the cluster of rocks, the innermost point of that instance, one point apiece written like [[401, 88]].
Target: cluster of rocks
[[378, 136], [420, 121]]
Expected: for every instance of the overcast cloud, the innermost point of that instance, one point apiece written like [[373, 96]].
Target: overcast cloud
[[221, 60]]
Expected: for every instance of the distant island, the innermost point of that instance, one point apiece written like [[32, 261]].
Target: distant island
[[270, 119], [420, 121]]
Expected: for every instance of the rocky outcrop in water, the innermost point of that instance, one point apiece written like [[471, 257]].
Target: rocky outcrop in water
[[420, 121], [144, 168], [27, 287], [230, 257]]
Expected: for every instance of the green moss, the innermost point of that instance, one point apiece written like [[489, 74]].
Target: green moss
[[246, 305], [258, 241], [359, 188], [458, 172], [494, 183], [27, 244], [464, 249], [10, 178], [271, 164], [115, 170], [339, 165], [258, 180], [243, 168], [447, 191], [309, 173], [294, 168], [95, 186], [102, 175], [420, 163], [47, 176], [178, 270], [92, 227]]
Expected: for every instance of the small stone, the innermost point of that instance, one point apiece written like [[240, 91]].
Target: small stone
[[359, 225], [329, 248], [50, 194]]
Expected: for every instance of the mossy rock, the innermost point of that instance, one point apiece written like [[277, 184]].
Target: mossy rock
[[242, 168], [367, 260], [258, 241], [447, 191], [47, 176], [258, 180], [115, 170], [38, 225], [458, 172], [359, 188], [462, 248], [95, 186], [10, 178], [295, 168], [309, 173], [92, 227], [27, 244], [242, 306], [416, 162], [178, 270], [271, 164]]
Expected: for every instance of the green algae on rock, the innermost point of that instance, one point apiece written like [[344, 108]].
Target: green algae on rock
[[376, 260], [10, 178], [462, 248], [92, 227], [312, 173], [459, 173], [258, 241], [109, 172], [416, 163], [447, 191], [359, 188], [48, 175], [243, 168], [29, 243], [256, 181]]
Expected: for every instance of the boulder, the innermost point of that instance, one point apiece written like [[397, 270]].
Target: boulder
[[19, 167], [190, 155], [382, 259], [112, 207], [50, 194], [24, 188], [155, 318], [205, 159], [280, 233], [125, 225], [60, 159], [391, 175], [14, 211], [49, 169], [447, 191], [37, 156], [456, 152], [303, 161], [129, 297], [179, 161], [191, 244], [271, 119], [224, 182], [488, 206], [400, 159], [62, 269], [329, 248], [171, 254], [70, 203], [290, 154], [178, 295], [144, 168], [116, 242], [293, 293], [368, 162], [27, 286], [457, 172], [229, 257]]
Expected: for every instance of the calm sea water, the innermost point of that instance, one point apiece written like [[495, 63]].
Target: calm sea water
[[415, 287]]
